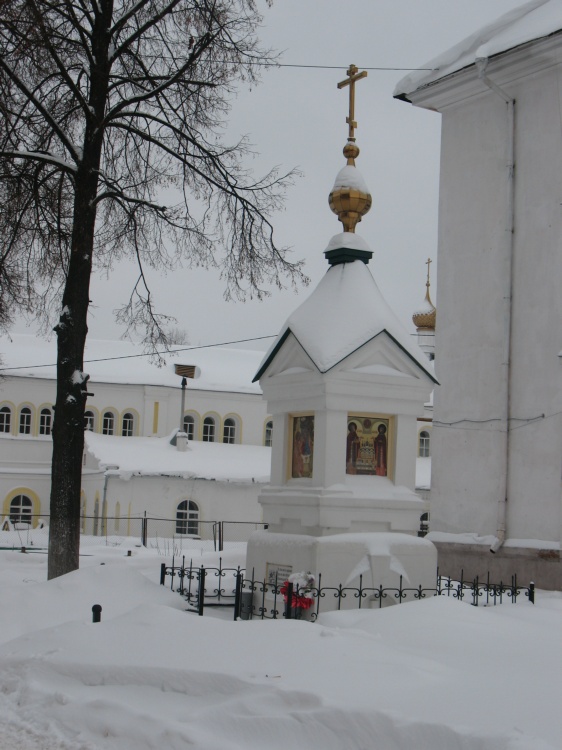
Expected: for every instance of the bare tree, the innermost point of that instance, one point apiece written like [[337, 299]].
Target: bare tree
[[105, 106]]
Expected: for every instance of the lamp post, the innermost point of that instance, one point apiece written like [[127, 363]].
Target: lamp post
[[183, 387], [186, 371]]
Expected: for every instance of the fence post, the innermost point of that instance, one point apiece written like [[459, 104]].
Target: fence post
[[96, 613], [221, 538], [532, 592], [144, 531], [238, 595], [201, 594], [162, 574], [289, 602]]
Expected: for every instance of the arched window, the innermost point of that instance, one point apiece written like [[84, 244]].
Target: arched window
[[187, 518], [424, 444], [45, 422], [25, 421], [89, 420], [128, 425], [229, 431], [5, 419], [189, 426], [268, 434], [20, 509], [209, 430], [108, 423]]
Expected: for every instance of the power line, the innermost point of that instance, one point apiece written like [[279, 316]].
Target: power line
[[144, 354], [329, 67]]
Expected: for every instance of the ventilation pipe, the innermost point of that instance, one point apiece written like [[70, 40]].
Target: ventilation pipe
[[481, 65]]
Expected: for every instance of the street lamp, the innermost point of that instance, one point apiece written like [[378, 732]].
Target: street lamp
[[186, 371]]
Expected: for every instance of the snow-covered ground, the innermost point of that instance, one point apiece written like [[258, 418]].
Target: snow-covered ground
[[434, 674]]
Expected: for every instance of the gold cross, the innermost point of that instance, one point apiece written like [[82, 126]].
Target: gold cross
[[354, 75], [427, 263]]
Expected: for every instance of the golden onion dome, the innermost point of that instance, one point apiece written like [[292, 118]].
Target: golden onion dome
[[426, 316], [350, 198]]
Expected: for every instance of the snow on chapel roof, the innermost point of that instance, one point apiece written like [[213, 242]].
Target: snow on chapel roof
[[533, 20], [329, 331]]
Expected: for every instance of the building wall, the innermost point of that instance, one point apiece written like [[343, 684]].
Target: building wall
[[469, 435], [248, 410]]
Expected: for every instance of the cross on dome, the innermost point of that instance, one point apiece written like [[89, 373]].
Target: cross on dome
[[351, 80]]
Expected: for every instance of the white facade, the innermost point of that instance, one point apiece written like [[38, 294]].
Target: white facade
[[497, 437], [135, 394]]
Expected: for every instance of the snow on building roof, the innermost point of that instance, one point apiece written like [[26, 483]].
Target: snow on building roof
[[220, 368], [151, 456], [533, 20], [344, 312]]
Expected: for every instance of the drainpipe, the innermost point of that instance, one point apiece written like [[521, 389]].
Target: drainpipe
[[107, 469], [481, 65]]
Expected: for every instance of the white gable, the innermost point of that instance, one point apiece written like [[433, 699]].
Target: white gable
[[343, 313]]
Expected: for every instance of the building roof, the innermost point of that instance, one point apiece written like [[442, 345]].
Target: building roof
[[152, 456], [533, 20], [344, 312], [218, 368]]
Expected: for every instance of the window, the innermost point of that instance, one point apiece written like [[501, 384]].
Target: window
[[5, 419], [209, 430], [20, 509], [128, 425], [108, 423], [89, 420], [25, 421], [229, 431], [424, 444], [268, 434], [45, 422], [189, 426], [187, 518]]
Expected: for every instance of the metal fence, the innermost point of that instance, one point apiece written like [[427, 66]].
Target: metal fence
[[32, 532], [206, 586]]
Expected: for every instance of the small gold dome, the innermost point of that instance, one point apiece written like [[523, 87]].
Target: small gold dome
[[350, 198], [425, 317]]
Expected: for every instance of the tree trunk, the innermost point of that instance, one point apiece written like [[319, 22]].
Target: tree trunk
[[68, 425], [72, 389]]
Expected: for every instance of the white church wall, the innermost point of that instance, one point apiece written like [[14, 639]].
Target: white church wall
[[473, 276]]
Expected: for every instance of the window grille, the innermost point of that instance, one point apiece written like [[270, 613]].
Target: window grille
[[25, 421], [20, 509], [45, 422], [5, 419], [189, 427], [187, 518], [108, 424], [128, 425], [229, 431], [209, 430], [424, 444]]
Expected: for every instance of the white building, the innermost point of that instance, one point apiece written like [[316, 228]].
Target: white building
[[133, 407], [497, 441]]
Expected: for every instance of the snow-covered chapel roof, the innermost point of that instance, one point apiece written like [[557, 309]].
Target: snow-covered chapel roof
[[533, 20], [344, 312]]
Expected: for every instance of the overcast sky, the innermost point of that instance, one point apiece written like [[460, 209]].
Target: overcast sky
[[296, 118]]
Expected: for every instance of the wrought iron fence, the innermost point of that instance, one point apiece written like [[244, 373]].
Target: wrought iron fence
[[208, 586], [31, 532]]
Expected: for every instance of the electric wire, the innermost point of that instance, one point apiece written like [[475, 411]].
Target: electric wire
[[145, 354]]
